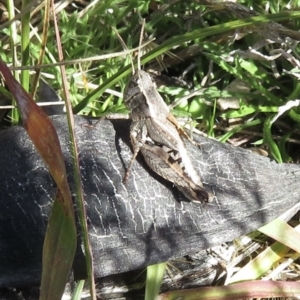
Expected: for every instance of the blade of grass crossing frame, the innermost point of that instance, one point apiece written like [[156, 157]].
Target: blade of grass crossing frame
[[58, 256], [25, 36], [244, 290], [283, 233], [76, 169], [43, 45], [155, 274], [61, 238], [13, 40]]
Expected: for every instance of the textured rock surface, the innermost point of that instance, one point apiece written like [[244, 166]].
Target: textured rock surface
[[144, 222]]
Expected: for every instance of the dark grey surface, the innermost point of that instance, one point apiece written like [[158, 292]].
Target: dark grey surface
[[144, 222]]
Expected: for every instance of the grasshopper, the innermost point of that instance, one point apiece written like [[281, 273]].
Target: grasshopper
[[155, 133]]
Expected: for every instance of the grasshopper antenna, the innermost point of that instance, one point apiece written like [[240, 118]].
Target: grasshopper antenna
[[140, 47], [140, 44], [125, 48]]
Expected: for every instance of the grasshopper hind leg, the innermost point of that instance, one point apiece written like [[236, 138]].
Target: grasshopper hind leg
[[158, 159]]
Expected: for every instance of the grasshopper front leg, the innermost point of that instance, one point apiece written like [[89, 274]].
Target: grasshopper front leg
[[138, 137]]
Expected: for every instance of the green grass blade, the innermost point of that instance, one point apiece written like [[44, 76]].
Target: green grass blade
[[25, 40], [261, 264], [268, 139], [283, 233], [13, 53], [155, 275], [58, 252]]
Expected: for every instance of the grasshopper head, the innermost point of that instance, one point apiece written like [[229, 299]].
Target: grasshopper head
[[134, 95]]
